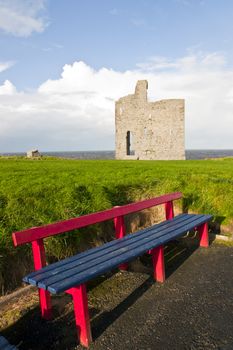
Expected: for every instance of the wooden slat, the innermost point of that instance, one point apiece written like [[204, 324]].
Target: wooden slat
[[101, 268], [3, 342], [35, 233], [128, 250], [110, 264], [101, 251], [108, 257], [4, 345]]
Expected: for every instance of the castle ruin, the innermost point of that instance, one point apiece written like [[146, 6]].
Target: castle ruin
[[149, 130]]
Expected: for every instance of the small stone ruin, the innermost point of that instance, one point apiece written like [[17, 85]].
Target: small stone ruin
[[34, 153]]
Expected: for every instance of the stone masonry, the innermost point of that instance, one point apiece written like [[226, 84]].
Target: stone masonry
[[149, 130], [34, 153]]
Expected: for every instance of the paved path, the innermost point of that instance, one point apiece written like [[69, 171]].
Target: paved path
[[193, 309]]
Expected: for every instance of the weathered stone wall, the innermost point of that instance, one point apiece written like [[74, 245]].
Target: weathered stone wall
[[157, 128]]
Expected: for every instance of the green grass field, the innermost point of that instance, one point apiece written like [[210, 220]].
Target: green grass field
[[35, 192]]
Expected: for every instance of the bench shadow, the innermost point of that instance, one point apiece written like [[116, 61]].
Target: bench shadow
[[31, 332], [101, 322], [176, 253], [215, 225]]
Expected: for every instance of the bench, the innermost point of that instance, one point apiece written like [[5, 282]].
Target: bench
[[5, 345], [70, 275]]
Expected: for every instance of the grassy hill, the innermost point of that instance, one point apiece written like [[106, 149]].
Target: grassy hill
[[35, 192]]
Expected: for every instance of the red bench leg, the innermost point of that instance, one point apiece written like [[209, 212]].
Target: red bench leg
[[158, 264], [39, 262], [169, 210], [82, 320], [45, 304], [204, 235], [119, 224]]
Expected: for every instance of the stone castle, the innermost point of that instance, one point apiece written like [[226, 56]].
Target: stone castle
[[149, 130]]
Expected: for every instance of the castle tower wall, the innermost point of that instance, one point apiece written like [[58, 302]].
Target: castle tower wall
[[149, 130]]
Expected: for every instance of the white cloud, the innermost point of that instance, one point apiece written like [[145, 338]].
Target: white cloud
[[197, 62], [5, 65], [22, 17], [7, 88], [76, 111]]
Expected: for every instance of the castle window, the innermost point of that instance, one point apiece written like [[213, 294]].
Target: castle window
[[129, 144]]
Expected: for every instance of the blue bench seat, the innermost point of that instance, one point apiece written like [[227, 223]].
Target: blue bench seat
[[79, 269], [5, 345]]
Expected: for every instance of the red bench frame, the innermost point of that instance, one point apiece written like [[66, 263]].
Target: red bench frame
[[36, 235]]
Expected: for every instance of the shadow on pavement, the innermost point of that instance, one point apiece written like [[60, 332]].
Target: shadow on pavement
[[31, 332]]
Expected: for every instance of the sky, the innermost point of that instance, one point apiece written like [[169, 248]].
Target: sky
[[63, 64]]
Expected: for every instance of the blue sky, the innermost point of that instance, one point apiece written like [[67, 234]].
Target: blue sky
[[115, 34], [178, 45]]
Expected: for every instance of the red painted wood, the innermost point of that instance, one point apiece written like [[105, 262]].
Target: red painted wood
[[38, 254], [169, 210], [82, 319], [36, 233], [169, 214], [119, 224], [39, 262], [158, 264], [204, 235], [45, 304]]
